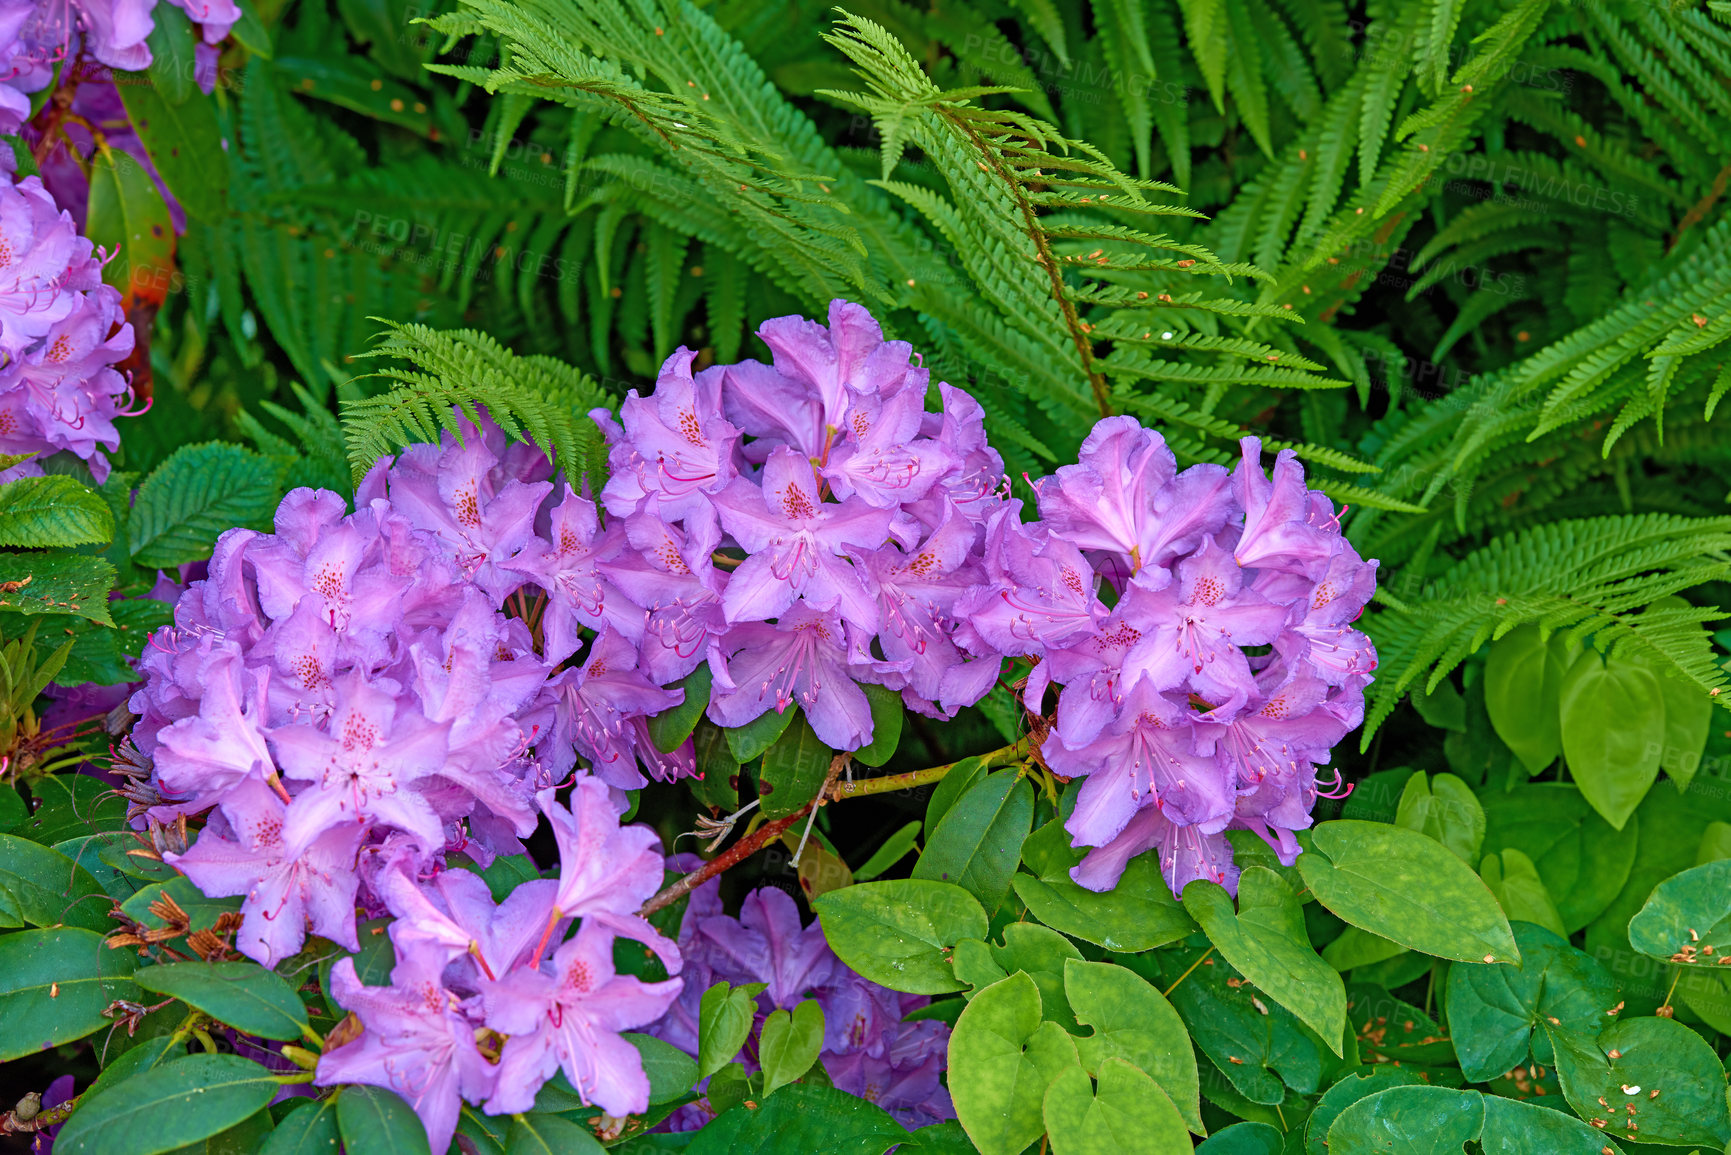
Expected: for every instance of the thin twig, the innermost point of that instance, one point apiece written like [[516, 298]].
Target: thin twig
[[1186, 974]]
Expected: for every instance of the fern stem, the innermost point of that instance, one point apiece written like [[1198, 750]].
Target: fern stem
[[1047, 259]]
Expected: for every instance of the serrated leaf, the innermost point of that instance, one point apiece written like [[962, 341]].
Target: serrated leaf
[[56, 583], [191, 498], [56, 510]]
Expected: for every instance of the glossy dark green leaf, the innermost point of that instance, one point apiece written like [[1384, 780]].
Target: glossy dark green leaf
[[801, 1118], [1516, 1128], [168, 1107], [1244, 1139], [1687, 918], [1265, 941], [1493, 1009], [202, 912], [68, 805], [1343, 1094], [1124, 1113], [1390, 1030], [1646, 1055], [886, 726], [978, 842], [1582, 859], [724, 1021], [244, 995], [1523, 681], [1613, 716], [759, 734], [898, 932], [375, 1121], [246, 1137], [1260, 1051], [505, 874], [1002, 1059], [1131, 1020], [671, 1071], [127, 215], [310, 1129], [670, 728], [54, 986], [42, 887], [794, 770], [789, 1043], [539, 1134], [1417, 1120], [960, 778], [12, 809], [487, 1133], [185, 144], [172, 61], [1407, 888], [717, 781]]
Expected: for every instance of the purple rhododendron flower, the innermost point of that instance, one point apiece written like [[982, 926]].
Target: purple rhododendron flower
[[61, 331], [868, 1050], [1206, 697]]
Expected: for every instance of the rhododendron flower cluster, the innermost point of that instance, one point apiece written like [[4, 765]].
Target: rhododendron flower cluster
[[868, 1050], [470, 972], [61, 332], [778, 520], [37, 35], [1203, 689]]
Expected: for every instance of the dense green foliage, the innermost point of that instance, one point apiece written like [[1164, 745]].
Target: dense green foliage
[[1469, 258]]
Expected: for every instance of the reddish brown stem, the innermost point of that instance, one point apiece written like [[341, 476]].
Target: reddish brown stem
[[732, 856]]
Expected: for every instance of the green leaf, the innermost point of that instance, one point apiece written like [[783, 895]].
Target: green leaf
[[1652, 1054], [54, 986], [717, 781], [487, 1132], [1407, 888], [542, 1134], [1392, 1031], [790, 1043], [168, 1107], [172, 61], [670, 728], [37, 512], [1002, 1059], [185, 144], [1138, 914], [128, 217], [244, 995], [310, 1129], [191, 498], [505, 874], [1343, 1094], [1494, 1009], [120, 874], [1613, 717], [56, 583], [953, 785], [70, 805], [244, 1138], [1127, 1114], [1265, 941], [104, 655], [794, 770], [1687, 918], [1446, 810], [978, 842], [1418, 1120], [801, 1118], [12, 810], [1041, 954], [1132, 1020], [42, 887], [671, 1071], [898, 932], [724, 1020], [886, 707], [1582, 859], [375, 1121], [1515, 881], [1244, 1139], [759, 734], [201, 910], [1523, 682], [1353, 948], [894, 849]]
